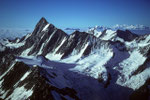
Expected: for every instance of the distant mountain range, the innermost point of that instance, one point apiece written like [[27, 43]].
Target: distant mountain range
[[131, 27], [137, 29]]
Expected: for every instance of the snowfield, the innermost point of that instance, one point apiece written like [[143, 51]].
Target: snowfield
[[83, 84]]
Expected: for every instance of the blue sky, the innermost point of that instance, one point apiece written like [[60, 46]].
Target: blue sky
[[73, 13]]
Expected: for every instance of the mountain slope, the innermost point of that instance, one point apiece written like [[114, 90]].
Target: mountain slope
[[49, 64]]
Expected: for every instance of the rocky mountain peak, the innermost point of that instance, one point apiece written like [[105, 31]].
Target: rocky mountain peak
[[43, 20], [126, 35]]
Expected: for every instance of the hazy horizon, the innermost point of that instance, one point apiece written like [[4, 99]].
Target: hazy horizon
[[71, 13]]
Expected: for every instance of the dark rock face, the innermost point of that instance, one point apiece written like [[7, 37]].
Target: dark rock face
[[14, 75], [55, 41], [76, 41], [37, 81], [6, 59], [36, 35], [126, 35]]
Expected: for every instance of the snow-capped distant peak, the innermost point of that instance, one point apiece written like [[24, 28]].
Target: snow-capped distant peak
[[131, 27]]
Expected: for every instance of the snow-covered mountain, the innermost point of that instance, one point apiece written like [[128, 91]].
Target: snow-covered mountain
[[137, 29], [49, 64], [131, 27]]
